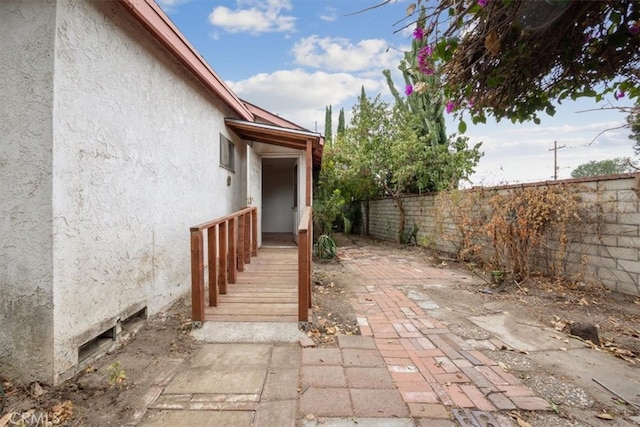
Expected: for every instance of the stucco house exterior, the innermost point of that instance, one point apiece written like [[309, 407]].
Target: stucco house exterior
[[115, 138]]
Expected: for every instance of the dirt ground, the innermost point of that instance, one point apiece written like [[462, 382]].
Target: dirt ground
[[110, 391], [106, 393]]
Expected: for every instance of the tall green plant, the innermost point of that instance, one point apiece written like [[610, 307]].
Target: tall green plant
[[328, 131]]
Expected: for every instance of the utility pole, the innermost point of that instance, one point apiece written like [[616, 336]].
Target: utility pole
[[555, 158]]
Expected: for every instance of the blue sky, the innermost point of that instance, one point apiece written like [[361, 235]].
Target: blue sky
[[295, 57]]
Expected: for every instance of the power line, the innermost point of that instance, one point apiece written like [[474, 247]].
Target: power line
[[555, 158]]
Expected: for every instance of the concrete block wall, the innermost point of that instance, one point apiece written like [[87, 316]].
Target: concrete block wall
[[606, 251]]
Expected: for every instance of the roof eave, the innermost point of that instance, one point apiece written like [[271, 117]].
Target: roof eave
[[149, 14]]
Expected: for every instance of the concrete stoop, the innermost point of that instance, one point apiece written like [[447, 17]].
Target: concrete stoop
[[254, 332]]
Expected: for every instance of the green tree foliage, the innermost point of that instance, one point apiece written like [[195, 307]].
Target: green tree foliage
[[385, 150], [328, 131], [633, 121], [341, 124], [514, 58], [603, 167]]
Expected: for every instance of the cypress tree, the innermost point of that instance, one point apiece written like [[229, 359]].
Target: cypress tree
[[341, 122], [328, 136]]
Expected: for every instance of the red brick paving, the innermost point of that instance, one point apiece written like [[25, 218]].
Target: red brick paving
[[432, 368]]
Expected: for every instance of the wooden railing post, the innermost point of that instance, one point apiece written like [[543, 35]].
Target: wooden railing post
[[304, 266], [231, 241], [240, 239], [233, 260], [212, 250], [254, 232], [310, 253], [222, 269], [247, 237], [303, 311], [197, 277]]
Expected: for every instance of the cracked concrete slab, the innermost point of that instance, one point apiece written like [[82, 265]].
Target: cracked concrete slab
[[528, 336], [584, 365], [224, 368]]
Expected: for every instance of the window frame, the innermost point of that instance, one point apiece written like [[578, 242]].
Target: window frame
[[227, 153]]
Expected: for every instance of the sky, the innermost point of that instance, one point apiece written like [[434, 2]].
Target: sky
[[296, 57]]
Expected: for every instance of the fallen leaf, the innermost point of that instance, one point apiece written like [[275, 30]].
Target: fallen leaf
[[521, 422], [37, 390], [62, 412], [604, 416], [6, 419], [310, 417], [503, 366]]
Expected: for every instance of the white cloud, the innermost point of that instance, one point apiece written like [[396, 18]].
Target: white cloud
[[301, 96], [171, 5], [330, 14], [339, 54], [254, 17], [522, 153]]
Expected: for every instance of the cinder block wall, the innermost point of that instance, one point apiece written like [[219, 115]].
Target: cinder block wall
[[608, 253]]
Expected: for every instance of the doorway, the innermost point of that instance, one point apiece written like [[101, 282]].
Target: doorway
[[279, 201]]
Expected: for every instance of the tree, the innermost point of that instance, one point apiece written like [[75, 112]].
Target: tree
[[514, 58], [346, 173], [384, 150], [603, 167], [633, 121], [340, 129], [327, 126]]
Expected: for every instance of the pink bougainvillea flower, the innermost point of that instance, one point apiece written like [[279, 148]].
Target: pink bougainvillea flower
[[619, 94], [450, 107], [425, 51], [483, 3], [634, 28], [418, 33], [408, 90], [427, 69], [424, 63]]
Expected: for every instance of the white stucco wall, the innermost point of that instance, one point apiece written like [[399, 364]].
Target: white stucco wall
[[112, 151], [26, 269], [136, 159], [254, 185]]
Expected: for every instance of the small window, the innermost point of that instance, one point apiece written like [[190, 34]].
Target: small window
[[227, 150]]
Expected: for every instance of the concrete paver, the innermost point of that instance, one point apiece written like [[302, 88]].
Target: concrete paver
[[407, 369], [323, 376], [378, 403], [326, 402], [277, 414], [359, 422], [198, 418]]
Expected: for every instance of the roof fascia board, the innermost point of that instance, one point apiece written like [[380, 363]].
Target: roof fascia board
[[149, 14], [304, 134], [268, 115]]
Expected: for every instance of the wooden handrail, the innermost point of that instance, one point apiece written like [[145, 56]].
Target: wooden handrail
[[231, 241], [305, 240], [225, 218]]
